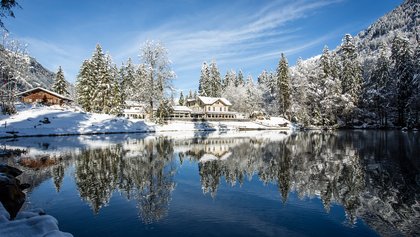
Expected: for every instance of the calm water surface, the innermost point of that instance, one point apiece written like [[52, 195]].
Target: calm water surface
[[349, 183]]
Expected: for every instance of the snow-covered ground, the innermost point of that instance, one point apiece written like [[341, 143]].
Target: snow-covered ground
[[29, 223], [40, 120]]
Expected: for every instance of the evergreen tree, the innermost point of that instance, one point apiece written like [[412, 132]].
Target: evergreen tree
[[350, 76], [85, 86], [117, 97], [163, 111], [103, 89], [415, 101], [403, 73], [204, 83], [140, 91], [379, 90], [239, 79], [299, 94], [330, 89], [181, 99], [215, 82], [283, 86], [128, 74], [60, 84], [229, 79]]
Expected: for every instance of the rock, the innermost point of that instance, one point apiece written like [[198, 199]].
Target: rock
[[11, 195]]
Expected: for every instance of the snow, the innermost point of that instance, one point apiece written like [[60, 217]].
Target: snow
[[39, 120], [212, 100], [29, 223], [179, 108], [208, 157], [45, 90], [65, 121]]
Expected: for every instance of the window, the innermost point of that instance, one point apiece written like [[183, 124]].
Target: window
[[214, 109]]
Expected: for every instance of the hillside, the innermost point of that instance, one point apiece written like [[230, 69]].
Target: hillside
[[404, 19], [31, 74]]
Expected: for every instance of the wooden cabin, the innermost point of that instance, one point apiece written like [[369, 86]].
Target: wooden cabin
[[42, 95]]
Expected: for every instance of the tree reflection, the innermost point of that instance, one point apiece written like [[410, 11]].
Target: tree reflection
[[373, 175], [141, 170]]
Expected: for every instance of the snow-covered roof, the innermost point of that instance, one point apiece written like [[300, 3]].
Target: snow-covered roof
[[212, 100], [133, 103], [181, 109], [45, 90]]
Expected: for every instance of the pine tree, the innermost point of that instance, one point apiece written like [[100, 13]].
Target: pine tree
[[181, 99], [60, 84], [403, 72], [379, 87], [204, 83], [117, 98], [299, 94], [229, 79], [283, 86], [101, 74], [415, 101], [350, 76], [215, 83], [85, 86], [330, 89], [128, 74], [163, 111], [239, 79]]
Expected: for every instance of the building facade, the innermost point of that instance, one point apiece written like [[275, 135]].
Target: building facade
[[42, 95], [210, 108]]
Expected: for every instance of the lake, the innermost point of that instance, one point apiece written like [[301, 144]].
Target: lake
[[343, 183]]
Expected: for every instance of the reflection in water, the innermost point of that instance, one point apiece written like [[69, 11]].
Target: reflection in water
[[373, 175], [144, 174]]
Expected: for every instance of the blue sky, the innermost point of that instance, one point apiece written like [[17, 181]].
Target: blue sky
[[238, 34]]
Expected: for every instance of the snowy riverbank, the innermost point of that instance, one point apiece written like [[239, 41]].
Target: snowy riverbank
[[56, 120]]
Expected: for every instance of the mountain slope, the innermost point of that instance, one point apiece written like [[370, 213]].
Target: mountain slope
[[404, 19]]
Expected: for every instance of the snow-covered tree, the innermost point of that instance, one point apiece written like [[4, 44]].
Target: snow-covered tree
[[160, 75], [85, 86], [101, 73], [163, 111], [299, 94], [215, 82], [379, 88], [239, 81], [229, 79], [283, 86], [128, 77], [350, 76], [181, 99], [404, 74], [330, 89], [60, 84], [203, 84], [13, 71]]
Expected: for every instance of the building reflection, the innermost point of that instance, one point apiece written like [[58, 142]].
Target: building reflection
[[357, 170]]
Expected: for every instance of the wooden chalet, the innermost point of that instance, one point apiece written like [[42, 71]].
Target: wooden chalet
[[42, 95]]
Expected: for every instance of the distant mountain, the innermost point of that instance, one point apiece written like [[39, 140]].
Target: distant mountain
[[30, 72], [404, 19]]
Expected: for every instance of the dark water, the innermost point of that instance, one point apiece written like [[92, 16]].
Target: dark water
[[350, 183]]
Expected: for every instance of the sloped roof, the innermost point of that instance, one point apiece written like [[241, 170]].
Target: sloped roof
[[45, 90], [212, 100], [133, 103], [181, 108]]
